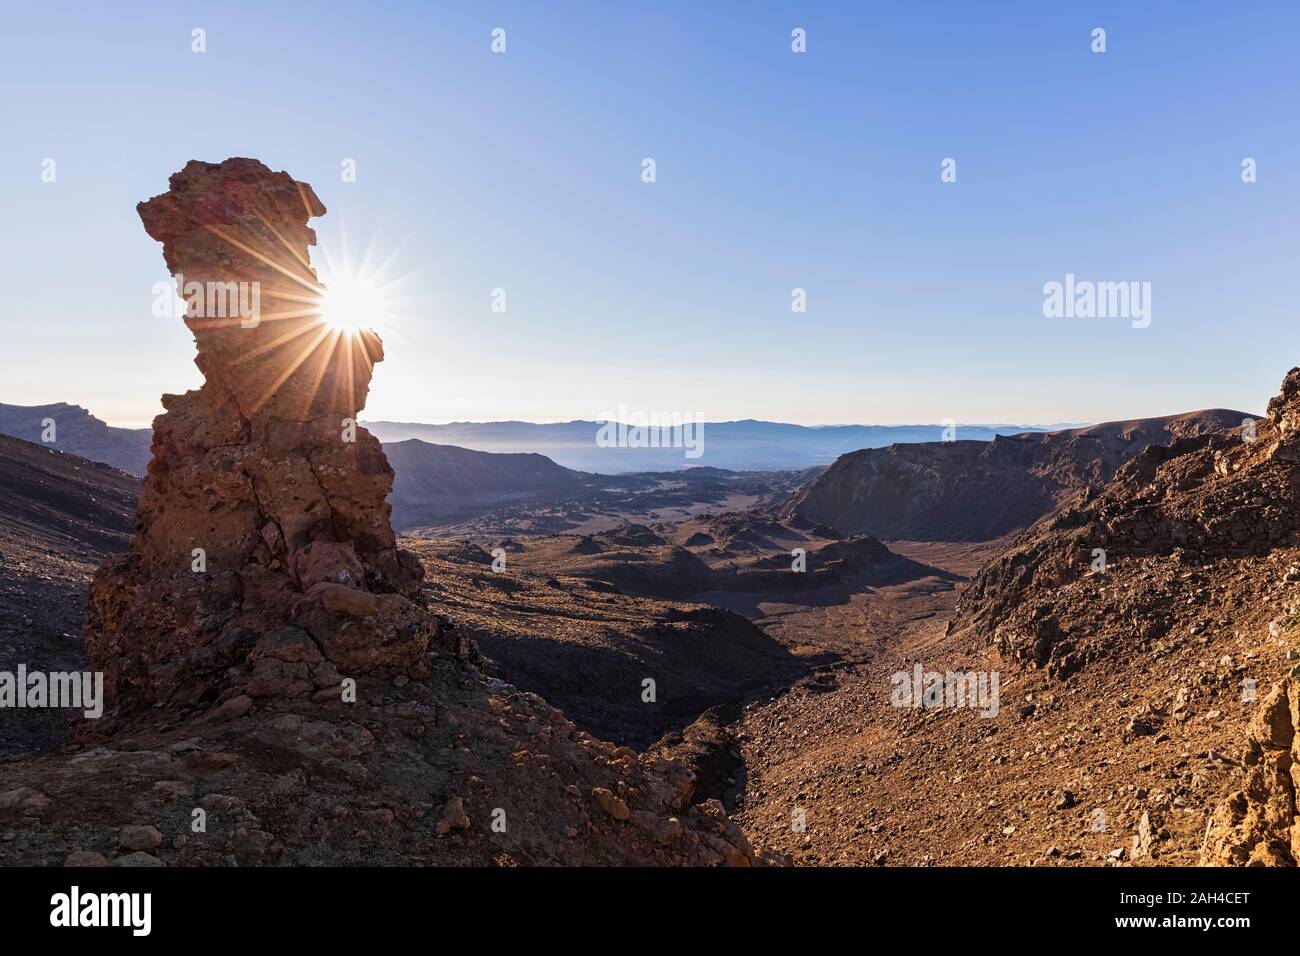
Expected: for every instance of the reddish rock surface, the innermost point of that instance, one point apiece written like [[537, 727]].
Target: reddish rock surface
[[1257, 823], [264, 504], [1175, 519]]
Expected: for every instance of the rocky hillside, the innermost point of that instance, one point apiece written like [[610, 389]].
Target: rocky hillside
[[977, 491], [59, 516], [440, 483], [1185, 517], [59, 502], [448, 768], [78, 432], [1195, 544]]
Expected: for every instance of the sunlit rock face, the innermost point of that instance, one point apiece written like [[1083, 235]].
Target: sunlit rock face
[[263, 561], [238, 222], [1257, 823]]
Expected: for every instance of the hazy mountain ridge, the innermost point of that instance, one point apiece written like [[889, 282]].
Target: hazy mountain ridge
[[440, 482], [79, 432], [746, 445]]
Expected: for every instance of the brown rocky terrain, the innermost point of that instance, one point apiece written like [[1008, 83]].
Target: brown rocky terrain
[[61, 516], [722, 558], [294, 686], [449, 769], [1200, 542], [1182, 530], [319, 691], [1121, 757], [1135, 752], [513, 495], [1121, 763], [586, 620], [978, 491], [589, 648], [61, 504]]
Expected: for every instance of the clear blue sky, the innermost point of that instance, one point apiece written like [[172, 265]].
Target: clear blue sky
[[775, 170]]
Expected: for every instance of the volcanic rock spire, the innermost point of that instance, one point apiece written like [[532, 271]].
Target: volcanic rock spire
[[263, 560]]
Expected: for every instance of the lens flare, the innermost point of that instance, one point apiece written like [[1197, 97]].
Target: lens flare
[[358, 294], [350, 304]]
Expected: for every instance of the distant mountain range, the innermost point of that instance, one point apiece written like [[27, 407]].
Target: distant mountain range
[[746, 445], [963, 490]]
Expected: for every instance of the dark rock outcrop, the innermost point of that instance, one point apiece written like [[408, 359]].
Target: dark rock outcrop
[[978, 491]]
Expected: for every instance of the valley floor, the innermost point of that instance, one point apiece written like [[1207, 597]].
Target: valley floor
[[1057, 777], [1121, 763]]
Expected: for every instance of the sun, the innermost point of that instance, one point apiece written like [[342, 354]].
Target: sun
[[360, 294], [350, 304]]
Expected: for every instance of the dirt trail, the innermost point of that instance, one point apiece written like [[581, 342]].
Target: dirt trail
[[821, 747]]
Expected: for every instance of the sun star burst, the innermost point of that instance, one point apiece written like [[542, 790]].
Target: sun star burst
[[351, 303]]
